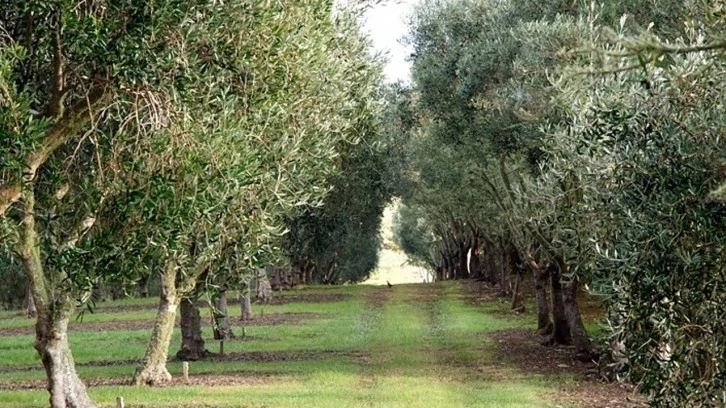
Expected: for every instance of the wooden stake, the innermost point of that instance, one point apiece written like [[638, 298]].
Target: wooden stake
[[120, 402], [221, 347], [185, 371]]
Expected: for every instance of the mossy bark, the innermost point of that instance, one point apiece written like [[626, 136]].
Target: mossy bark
[[223, 327], [245, 304], [152, 370], [54, 309]]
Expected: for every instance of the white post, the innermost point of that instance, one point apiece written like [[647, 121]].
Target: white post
[[120, 402], [185, 371]]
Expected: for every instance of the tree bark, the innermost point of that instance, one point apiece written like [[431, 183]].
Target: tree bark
[[72, 121], [474, 264], [580, 339], [463, 264], [30, 310], [143, 284], [66, 389], [222, 326], [53, 311], [505, 269], [515, 261], [451, 273], [309, 280], [192, 343], [491, 262], [245, 304], [544, 324], [152, 370], [560, 329], [517, 298]]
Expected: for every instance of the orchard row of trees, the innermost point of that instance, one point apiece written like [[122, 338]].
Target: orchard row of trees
[[581, 144], [189, 141]]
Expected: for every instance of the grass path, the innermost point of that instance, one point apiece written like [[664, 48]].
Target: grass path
[[423, 356], [417, 345]]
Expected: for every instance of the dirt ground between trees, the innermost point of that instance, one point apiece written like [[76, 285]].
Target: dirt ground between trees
[[266, 319], [233, 301], [231, 378], [239, 378], [523, 349]]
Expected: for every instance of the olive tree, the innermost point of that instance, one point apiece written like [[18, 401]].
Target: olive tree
[[148, 134]]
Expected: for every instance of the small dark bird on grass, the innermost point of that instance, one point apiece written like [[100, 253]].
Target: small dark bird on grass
[[389, 284]]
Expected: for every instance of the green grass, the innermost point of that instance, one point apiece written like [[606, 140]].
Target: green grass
[[407, 346]]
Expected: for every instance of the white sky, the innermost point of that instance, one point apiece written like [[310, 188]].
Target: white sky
[[386, 24]]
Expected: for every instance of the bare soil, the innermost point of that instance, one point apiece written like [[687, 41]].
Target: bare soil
[[522, 348], [267, 319], [276, 300], [229, 378], [265, 356], [240, 378]]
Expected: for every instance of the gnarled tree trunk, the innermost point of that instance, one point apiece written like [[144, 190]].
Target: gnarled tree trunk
[[245, 304], [222, 326], [544, 324], [560, 328], [192, 343], [143, 286], [152, 370], [517, 297], [580, 339], [505, 269], [463, 269], [53, 311], [51, 332], [491, 260], [474, 263]]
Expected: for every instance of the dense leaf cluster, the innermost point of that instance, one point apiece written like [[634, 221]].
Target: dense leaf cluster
[[573, 141]]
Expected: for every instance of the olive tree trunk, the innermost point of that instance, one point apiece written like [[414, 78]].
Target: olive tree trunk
[[505, 269], [152, 370], [474, 264], [517, 297], [192, 343], [222, 326], [580, 339], [143, 286], [560, 328], [491, 262], [51, 332], [30, 310], [463, 269], [544, 324], [54, 308], [245, 304]]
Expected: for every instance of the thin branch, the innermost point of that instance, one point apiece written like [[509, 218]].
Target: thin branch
[[59, 91]]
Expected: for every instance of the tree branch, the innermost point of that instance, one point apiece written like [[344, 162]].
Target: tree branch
[[59, 91], [65, 128]]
